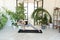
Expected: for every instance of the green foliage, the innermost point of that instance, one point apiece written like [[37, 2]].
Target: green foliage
[[20, 11], [38, 10], [19, 14], [3, 21], [43, 17], [12, 15], [50, 21]]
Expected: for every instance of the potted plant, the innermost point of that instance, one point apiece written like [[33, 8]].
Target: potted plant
[[44, 21], [42, 15], [50, 23], [18, 15]]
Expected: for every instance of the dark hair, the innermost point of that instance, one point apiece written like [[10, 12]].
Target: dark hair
[[20, 21]]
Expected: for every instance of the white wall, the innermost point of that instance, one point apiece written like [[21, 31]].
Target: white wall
[[50, 5], [9, 4]]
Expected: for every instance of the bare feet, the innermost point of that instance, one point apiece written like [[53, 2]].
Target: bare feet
[[39, 30]]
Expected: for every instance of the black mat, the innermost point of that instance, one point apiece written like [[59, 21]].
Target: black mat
[[30, 31]]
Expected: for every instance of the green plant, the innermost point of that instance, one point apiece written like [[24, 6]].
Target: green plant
[[18, 15], [45, 20], [20, 11], [3, 21], [41, 15]]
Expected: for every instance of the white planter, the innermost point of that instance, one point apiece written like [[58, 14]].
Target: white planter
[[51, 25]]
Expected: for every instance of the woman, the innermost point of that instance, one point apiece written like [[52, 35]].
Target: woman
[[21, 23]]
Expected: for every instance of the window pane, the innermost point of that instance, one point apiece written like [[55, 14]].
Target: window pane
[[26, 16], [25, 10], [35, 7], [35, 4], [25, 4], [40, 4], [30, 8]]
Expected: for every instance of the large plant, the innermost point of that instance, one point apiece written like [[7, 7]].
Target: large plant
[[18, 15], [20, 11], [43, 18]]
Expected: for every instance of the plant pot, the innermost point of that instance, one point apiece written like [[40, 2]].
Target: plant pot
[[43, 27], [51, 25]]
